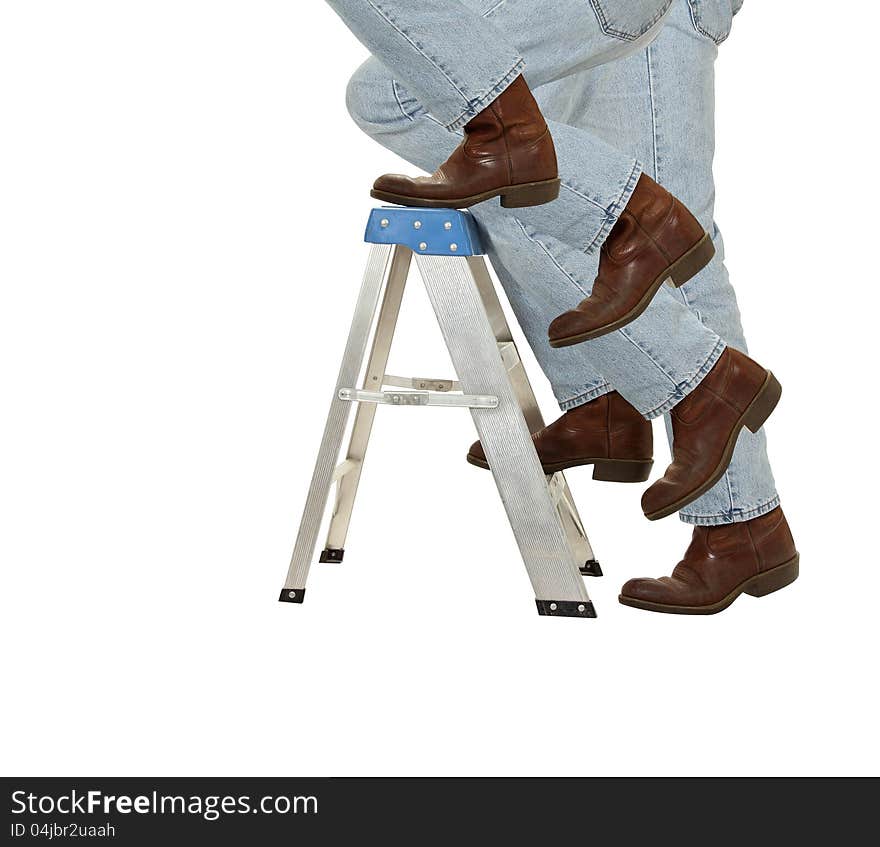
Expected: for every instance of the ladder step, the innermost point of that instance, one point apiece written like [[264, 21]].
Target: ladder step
[[419, 398]]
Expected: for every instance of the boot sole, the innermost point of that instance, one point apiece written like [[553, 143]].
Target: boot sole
[[512, 196], [753, 417], [680, 271], [604, 470], [757, 586]]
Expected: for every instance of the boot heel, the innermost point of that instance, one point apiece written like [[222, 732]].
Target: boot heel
[[774, 579], [622, 470], [765, 402], [692, 262], [530, 194]]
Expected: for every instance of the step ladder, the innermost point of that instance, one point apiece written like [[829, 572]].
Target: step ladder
[[491, 382]]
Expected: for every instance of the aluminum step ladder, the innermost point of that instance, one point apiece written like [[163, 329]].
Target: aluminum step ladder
[[491, 382]]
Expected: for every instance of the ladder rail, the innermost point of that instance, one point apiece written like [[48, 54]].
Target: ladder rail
[[473, 346], [571, 520], [374, 376], [378, 265]]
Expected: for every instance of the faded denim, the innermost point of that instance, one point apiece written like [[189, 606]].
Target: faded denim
[[616, 107]]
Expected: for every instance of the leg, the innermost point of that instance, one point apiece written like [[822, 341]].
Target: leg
[[597, 179], [350, 471], [542, 274], [659, 376], [454, 294], [665, 118], [742, 542], [382, 258], [747, 489], [456, 56], [568, 513]]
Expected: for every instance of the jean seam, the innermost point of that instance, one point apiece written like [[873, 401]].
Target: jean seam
[[495, 8], [648, 355], [735, 515], [623, 35], [685, 388], [474, 107], [697, 20], [411, 116], [393, 24], [653, 102], [729, 488], [612, 213], [585, 197], [684, 299], [585, 396], [470, 104], [552, 258], [396, 90]]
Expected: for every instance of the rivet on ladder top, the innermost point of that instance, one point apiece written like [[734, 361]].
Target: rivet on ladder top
[[447, 225], [383, 223], [417, 224], [423, 246], [453, 247]]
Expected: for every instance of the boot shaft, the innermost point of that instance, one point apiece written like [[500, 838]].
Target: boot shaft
[[749, 547], [653, 218], [733, 382], [607, 426], [512, 128]]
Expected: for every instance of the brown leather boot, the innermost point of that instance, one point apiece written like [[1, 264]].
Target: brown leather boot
[[656, 238], [756, 557], [737, 392], [507, 151], [607, 433]]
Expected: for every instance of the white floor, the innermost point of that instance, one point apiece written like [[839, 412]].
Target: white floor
[[176, 288]]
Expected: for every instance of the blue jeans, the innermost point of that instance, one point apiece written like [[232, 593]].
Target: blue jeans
[[627, 86]]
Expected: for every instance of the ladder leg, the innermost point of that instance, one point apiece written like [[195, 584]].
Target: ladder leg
[[568, 513], [522, 484], [355, 349], [347, 484]]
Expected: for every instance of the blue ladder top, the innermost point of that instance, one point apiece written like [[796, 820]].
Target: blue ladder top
[[429, 232]]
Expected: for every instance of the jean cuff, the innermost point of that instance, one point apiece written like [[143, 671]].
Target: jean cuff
[[683, 389], [733, 516], [474, 107], [613, 212], [586, 396]]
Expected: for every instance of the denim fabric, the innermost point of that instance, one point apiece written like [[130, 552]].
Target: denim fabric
[[597, 180], [651, 108], [626, 19], [713, 18], [647, 106], [445, 54]]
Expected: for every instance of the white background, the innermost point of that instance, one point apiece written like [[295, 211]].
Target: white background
[[182, 197]]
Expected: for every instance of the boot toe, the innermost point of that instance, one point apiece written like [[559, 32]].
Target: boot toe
[[394, 183], [659, 496], [476, 452], [568, 324], [648, 590], [591, 315]]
